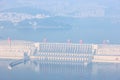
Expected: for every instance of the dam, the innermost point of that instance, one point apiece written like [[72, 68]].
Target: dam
[[60, 53]]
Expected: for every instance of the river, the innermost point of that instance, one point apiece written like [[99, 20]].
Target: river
[[35, 70]]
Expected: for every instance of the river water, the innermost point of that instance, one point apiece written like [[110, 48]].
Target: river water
[[35, 70]]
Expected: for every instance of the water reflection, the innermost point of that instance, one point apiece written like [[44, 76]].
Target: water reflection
[[35, 69], [59, 68], [39, 66]]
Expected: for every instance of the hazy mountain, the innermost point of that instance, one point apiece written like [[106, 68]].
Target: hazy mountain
[[28, 10]]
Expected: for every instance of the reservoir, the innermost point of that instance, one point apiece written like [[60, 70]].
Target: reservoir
[[35, 70]]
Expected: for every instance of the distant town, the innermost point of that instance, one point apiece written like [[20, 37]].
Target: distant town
[[18, 17]]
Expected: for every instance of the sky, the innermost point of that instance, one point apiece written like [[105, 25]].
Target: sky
[[14, 3]]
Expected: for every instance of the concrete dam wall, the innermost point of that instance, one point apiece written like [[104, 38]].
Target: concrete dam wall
[[60, 52]]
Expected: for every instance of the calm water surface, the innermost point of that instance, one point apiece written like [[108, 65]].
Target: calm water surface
[[35, 70]]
